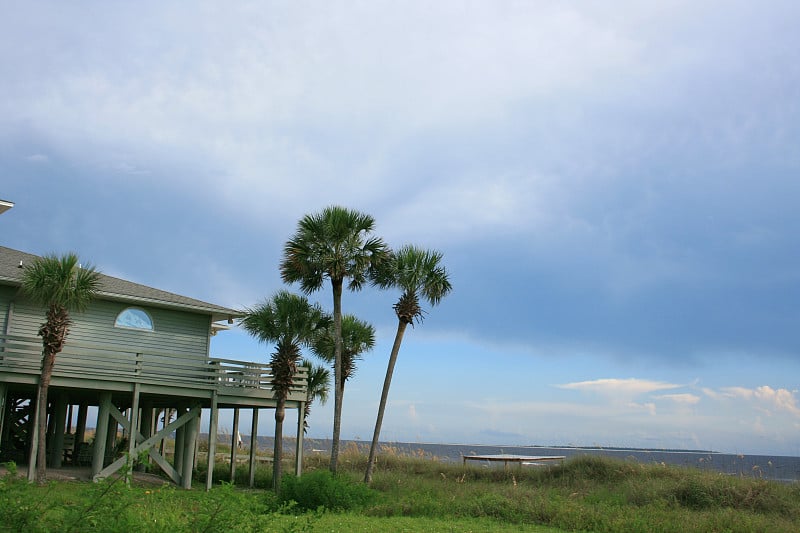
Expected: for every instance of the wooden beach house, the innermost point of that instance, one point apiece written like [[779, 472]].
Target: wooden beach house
[[136, 354]]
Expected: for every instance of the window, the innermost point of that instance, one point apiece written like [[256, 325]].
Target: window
[[134, 318]]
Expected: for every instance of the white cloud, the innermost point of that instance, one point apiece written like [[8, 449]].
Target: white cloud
[[763, 397], [684, 398], [622, 387]]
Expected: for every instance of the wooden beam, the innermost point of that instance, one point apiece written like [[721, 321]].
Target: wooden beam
[[147, 444]]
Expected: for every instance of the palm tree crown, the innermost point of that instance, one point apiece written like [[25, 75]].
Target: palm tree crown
[[60, 282], [319, 385], [417, 272], [358, 337], [332, 244], [285, 316]]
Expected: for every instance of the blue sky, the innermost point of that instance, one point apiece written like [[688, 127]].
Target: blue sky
[[614, 189]]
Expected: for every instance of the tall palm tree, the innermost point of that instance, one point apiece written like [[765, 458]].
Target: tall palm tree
[[61, 285], [334, 244], [358, 337], [319, 385], [417, 273], [290, 321]]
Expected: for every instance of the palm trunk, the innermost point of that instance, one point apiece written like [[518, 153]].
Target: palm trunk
[[53, 332], [398, 339], [277, 451], [337, 373], [41, 405]]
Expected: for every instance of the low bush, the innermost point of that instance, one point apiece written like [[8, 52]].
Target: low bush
[[321, 489]]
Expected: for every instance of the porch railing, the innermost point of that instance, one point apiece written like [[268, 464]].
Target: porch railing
[[23, 355]]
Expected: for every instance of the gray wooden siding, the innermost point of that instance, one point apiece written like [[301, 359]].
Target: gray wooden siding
[[174, 331]]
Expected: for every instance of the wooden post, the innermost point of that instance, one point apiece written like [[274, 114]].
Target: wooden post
[[101, 433], [301, 418], [3, 407], [59, 422], [180, 435], [234, 443], [146, 430], [69, 419], [167, 416], [190, 438], [212, 440], [80, 425], [134, 419], [253, 447]]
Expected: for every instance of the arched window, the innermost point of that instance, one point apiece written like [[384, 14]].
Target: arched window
[[134, 318]]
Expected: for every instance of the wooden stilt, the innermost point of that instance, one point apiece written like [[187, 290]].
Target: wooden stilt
[[59, 417], [301, 418], [101, 433], [190, 438], [253, 447], [80, 425], [212, 440], [234, 443]]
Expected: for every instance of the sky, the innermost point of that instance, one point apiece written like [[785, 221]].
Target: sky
[[613, 186]]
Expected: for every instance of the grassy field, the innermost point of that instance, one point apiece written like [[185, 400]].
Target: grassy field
[[418, 493]]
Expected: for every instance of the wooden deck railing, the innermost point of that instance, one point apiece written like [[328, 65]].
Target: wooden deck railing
[[23, 355]]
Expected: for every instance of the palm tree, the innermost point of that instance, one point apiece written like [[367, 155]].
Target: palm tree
[[416, 272], [61, 285], [333, 244], [319, 385], [358, 337], [290, 321]]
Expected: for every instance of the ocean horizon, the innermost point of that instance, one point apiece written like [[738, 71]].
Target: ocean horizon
[[781, 468]]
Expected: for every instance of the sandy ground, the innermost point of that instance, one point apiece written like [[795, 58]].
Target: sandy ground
[[77, 473]]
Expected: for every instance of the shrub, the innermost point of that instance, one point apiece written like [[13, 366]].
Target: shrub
[[321, 489]]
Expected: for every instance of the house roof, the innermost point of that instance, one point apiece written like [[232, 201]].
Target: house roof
[[117, 289], [5, 205]]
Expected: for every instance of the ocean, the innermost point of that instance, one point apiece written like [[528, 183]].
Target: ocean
[[772, 467]]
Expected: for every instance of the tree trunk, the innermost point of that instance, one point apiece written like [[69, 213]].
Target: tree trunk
[[53, 332], [398, 339], [277, 450], [337, 372]]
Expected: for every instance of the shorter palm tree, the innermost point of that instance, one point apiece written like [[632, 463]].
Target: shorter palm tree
[[291, 322], [319, 386], [358, 338], [416, 272], [61, 285]]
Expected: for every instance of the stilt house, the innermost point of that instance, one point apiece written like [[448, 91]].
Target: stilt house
[[137, 356]]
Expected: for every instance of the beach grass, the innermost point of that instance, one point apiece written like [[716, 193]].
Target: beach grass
[[416, 492]]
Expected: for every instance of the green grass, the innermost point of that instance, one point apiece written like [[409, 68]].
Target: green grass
[[418, 493]]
